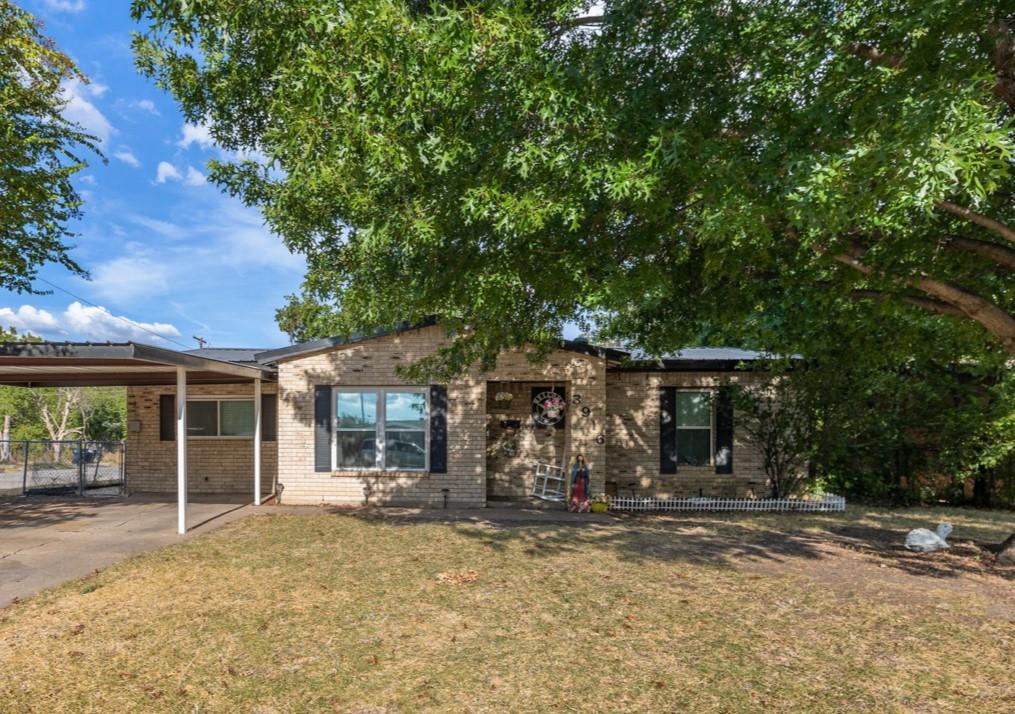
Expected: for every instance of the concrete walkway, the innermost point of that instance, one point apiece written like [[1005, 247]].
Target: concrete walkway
[[45, 541]]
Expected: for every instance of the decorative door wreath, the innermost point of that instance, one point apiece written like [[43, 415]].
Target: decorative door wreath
[[548, 408]]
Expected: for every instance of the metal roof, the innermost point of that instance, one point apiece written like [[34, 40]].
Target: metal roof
[[704, 353], [238, 355], [697, 358], [73, 364], [305, 348], [724, 358]]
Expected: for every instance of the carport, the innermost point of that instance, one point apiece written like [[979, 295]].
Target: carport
[[128, 364]]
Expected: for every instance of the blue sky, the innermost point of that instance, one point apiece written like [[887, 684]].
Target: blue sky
[[168, 253]]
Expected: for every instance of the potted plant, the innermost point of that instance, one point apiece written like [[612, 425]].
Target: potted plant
[[600, 503]]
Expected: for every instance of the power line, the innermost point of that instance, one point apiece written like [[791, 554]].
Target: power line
[[124, 320]]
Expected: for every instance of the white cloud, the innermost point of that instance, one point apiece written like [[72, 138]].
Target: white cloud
[[213, 238], [130, 277], [195, 134], [194, 177], [81, 111], [126, 156], [99, 323], [244, 240], [163, 228], [167, 172], [65, 5], [29, 319], [146, 105], [95, 89], [85, 322]]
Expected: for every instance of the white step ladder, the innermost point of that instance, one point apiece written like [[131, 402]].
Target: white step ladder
[[549, 483]]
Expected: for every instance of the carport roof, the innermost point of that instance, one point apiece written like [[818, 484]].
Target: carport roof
[[89, 364]]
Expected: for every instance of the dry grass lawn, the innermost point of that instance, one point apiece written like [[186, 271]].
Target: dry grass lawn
[[372, 613]]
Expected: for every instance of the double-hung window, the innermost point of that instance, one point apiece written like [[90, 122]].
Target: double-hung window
[[694, 428], [210, 418], [377, 428]]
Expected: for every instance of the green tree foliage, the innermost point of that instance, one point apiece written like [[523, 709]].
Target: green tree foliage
[[39, 151], [661, 167], [886, 426]]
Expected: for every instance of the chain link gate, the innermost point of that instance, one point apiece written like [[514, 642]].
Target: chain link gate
[[80, 468]]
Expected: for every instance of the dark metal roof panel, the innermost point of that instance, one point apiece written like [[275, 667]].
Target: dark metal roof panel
[[239, 355], [70, 357], [305, 348]]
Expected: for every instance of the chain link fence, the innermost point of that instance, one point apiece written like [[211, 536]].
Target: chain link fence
[[81, 468]]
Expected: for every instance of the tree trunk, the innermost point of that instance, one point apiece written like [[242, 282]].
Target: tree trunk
[[1006, 551], [982, 489], [5, 440]]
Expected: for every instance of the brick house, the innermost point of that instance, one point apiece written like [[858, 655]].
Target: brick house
[[332, 421]]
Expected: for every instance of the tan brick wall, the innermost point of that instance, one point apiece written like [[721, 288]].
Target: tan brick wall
[[373, 363], [633, 441], [213, 465]]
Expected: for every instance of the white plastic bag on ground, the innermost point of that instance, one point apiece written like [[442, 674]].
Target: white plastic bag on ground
[[924, 541]]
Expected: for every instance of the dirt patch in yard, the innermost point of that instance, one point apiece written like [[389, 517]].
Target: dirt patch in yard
[[862, 554], [308, 612], [871, 566]]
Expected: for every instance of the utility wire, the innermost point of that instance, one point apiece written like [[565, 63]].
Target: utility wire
[[124, 320]]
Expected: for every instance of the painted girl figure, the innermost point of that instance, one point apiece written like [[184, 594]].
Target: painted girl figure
[[579, 486]]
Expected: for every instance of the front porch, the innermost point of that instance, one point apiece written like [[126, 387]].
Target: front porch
[[517, 439]]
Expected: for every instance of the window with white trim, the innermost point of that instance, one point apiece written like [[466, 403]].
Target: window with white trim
[[377, 428], [218, 418], [694, 428]]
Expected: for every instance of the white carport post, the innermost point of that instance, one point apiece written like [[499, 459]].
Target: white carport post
[[257, 441], [181, 449]]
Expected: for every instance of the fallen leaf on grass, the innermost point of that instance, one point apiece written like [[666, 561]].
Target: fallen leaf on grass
[[457, 577]]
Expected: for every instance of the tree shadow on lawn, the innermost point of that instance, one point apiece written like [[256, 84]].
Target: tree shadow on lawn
[[713, 540], [965, 557]]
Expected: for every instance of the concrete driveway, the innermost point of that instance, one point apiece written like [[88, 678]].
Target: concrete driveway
[[45, 541]]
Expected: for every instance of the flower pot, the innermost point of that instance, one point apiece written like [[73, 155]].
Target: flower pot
[[599, 508]]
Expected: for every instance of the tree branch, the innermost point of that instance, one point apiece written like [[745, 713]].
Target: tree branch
[[587, 20], [993, 318], [978, 218], [1002, 255], [873, 54], [1003, 58], [997, 321], [929, 304]]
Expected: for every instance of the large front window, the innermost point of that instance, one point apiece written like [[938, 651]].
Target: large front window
[[694, 428], [381, 429]]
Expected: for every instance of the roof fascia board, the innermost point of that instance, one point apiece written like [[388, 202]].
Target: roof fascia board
[[135, 351]]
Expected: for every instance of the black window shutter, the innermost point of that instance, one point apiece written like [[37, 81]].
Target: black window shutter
[[269, 417], [724, 431], [167, 417], [560, 392], [322, 428], [667, 430], [438, 429]]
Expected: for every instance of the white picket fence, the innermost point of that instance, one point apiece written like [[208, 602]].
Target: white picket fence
[[827, 503]]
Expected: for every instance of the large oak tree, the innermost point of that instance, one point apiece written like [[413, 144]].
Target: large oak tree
[[659, 166], [40, 151]]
